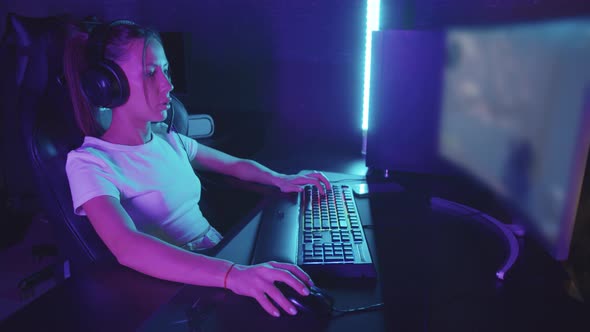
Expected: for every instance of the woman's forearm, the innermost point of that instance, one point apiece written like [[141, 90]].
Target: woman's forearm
[[159, 259], [250, 170]]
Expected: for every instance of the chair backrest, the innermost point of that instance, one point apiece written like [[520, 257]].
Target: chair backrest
[[22, 53], [45, 122]]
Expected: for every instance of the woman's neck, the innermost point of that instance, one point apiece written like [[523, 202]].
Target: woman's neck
[[127, 135]]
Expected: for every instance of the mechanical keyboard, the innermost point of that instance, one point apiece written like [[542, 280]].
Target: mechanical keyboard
[[323, 234]]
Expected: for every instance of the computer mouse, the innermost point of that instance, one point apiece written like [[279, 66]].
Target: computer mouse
[[318, 302]]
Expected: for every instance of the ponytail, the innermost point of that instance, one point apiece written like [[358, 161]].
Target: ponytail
[[74, 64]]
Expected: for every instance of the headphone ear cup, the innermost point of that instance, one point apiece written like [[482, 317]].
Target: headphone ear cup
[[105, 84]]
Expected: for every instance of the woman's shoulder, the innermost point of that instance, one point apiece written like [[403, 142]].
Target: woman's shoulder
[[88, 152]]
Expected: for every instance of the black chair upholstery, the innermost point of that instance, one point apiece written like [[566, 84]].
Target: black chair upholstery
[[42, 117], [25, 56]]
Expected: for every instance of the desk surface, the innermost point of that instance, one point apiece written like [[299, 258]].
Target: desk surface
[[435, 274], [220, 310]]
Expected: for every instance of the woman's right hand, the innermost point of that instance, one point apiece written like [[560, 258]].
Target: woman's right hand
[[258, 281]]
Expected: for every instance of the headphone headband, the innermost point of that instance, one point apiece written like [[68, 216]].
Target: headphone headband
[[95, 47]]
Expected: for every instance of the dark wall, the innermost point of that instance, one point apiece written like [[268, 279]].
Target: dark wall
[[266, 70], [273, 70]]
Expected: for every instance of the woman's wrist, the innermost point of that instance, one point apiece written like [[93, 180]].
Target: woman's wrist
[[277, 179], [231, 267], [230, 276]]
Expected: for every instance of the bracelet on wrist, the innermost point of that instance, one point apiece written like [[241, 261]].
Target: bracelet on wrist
[[227, 274]]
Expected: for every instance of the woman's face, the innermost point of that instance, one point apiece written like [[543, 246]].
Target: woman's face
[[149, 83]]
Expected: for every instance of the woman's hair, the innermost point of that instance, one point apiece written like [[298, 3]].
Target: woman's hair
[[116, 45]]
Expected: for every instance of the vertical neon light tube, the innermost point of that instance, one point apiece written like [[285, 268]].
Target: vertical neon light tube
[[373, 7]]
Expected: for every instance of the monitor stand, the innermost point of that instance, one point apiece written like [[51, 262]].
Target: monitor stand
[[509, 232]]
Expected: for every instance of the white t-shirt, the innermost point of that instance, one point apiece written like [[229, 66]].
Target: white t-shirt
[[154, 182]]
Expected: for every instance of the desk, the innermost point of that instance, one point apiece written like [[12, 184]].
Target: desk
[[442, 275], [429, 281], [221, 310]]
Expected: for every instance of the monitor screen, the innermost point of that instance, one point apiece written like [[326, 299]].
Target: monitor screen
[[515, 116]]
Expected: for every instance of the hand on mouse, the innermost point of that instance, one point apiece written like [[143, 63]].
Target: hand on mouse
[[257, 281]]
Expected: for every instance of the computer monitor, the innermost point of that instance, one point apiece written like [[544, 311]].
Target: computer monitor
[[515, 117], [406, 75]]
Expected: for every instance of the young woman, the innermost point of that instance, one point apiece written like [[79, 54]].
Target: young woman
[[135, 180]]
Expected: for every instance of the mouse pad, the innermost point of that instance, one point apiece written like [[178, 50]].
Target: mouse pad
[[201, 309]]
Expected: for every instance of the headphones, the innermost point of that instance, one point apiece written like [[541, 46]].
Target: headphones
[[104, 83]]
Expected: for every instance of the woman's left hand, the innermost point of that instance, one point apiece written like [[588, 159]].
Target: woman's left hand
[[295, 182]]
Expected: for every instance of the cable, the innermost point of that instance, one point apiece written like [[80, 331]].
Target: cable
[[470, 214], [473, 212], [371, 307]]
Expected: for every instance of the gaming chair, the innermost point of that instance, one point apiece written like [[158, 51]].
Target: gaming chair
[[40, 129]]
